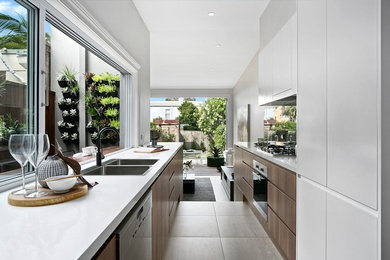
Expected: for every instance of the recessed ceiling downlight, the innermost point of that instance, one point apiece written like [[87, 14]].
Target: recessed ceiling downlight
[[211, 14], [218, 45]]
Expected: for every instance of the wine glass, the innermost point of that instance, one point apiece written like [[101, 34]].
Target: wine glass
[[42, 147], [17, 145]]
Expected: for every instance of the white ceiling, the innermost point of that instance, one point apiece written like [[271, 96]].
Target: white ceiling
[[183, 40]]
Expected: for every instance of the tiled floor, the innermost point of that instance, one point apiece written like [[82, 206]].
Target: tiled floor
[[218, 230]]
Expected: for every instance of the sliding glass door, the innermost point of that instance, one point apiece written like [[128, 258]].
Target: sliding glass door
[[18, 67]]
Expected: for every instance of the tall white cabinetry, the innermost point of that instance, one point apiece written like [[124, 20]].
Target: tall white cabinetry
[[338, 93], [278, 64]]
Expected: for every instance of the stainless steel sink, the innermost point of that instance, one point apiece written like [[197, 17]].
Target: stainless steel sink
[[116, 170], [131, 162]]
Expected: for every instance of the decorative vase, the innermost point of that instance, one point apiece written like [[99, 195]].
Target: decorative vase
[[52, 166], [230, 158]]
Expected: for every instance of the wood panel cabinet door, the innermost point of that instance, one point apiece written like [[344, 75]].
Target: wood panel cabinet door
[[353, 97], [160, 214], [352, 232], [281, 235], [282, 205], [311, 221], [312, 79]]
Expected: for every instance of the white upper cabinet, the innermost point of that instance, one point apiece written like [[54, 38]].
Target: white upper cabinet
[[278, 59], [286, 53], [352, 98], [311, 221], [265, 75], [352, 231], [311, 101]]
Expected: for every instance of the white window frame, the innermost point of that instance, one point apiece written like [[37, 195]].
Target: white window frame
[[80, 25]]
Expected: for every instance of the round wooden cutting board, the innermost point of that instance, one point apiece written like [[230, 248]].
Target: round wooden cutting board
[[77, 191]]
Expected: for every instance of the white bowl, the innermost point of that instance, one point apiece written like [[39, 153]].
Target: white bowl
[[61, 186]]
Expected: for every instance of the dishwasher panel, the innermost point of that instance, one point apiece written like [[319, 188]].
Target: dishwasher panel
[[135, 233]]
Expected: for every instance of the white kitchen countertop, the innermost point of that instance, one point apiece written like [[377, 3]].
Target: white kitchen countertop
[[288, 162], [77, 229]]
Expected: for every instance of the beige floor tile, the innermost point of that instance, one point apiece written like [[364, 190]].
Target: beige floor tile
[[248, 249], [187, 208], [240, 226], [195, 226], [190, 248], [272, 247], [232, 209]]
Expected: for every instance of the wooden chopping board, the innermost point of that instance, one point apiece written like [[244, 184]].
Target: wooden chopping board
[[77, 191]]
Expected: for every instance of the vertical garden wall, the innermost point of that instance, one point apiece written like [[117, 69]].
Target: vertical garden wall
[[102, 106], [68, 104]]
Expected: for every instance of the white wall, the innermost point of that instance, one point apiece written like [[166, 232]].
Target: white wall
[[385, 129], [96, 65], [124, 23], [246, 92], [64, 51]]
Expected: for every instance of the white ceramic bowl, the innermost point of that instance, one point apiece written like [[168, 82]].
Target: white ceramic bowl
[[61, 186]]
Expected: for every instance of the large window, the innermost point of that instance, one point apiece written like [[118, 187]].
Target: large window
[[17, 77], [85, 94]]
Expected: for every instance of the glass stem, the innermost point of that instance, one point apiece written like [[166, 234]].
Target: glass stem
[[23, 179], [36, 179]]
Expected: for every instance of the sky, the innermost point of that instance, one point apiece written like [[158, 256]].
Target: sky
[[11, 8]]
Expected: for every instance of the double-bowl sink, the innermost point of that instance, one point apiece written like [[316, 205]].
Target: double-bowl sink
[[121, 167]]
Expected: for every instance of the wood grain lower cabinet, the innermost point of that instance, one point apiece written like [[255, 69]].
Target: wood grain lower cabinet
[[281, 235], [167, 191], [284, 179], [108, 250], [281, 195], [283, 206]]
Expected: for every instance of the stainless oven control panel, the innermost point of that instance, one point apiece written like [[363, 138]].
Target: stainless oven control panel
[[260, 168]]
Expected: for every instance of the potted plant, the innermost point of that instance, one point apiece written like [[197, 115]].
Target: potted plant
[[112, 137], [186, 167], [61, 126], [212, 122], [67, 77], [112, 112], [114, 123], [75, 138], [88, 77], [91, 128], [71, 128], [94, 137], [66, 138]]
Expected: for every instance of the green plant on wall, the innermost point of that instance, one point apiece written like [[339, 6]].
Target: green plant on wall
[[102, 103], [109, 101], [67, 74], [106, 88], [115, 124], [112, 112]]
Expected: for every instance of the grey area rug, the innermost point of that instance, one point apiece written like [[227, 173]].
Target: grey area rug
[[203, 191]]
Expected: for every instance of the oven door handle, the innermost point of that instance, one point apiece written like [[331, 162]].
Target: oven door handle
[[256, 170]]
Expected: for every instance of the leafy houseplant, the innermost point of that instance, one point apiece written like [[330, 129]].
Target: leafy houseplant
[[212, 122], [67, 77], [8, 127]]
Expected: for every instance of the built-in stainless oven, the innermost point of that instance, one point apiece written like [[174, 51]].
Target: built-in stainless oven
[[260, 183]]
